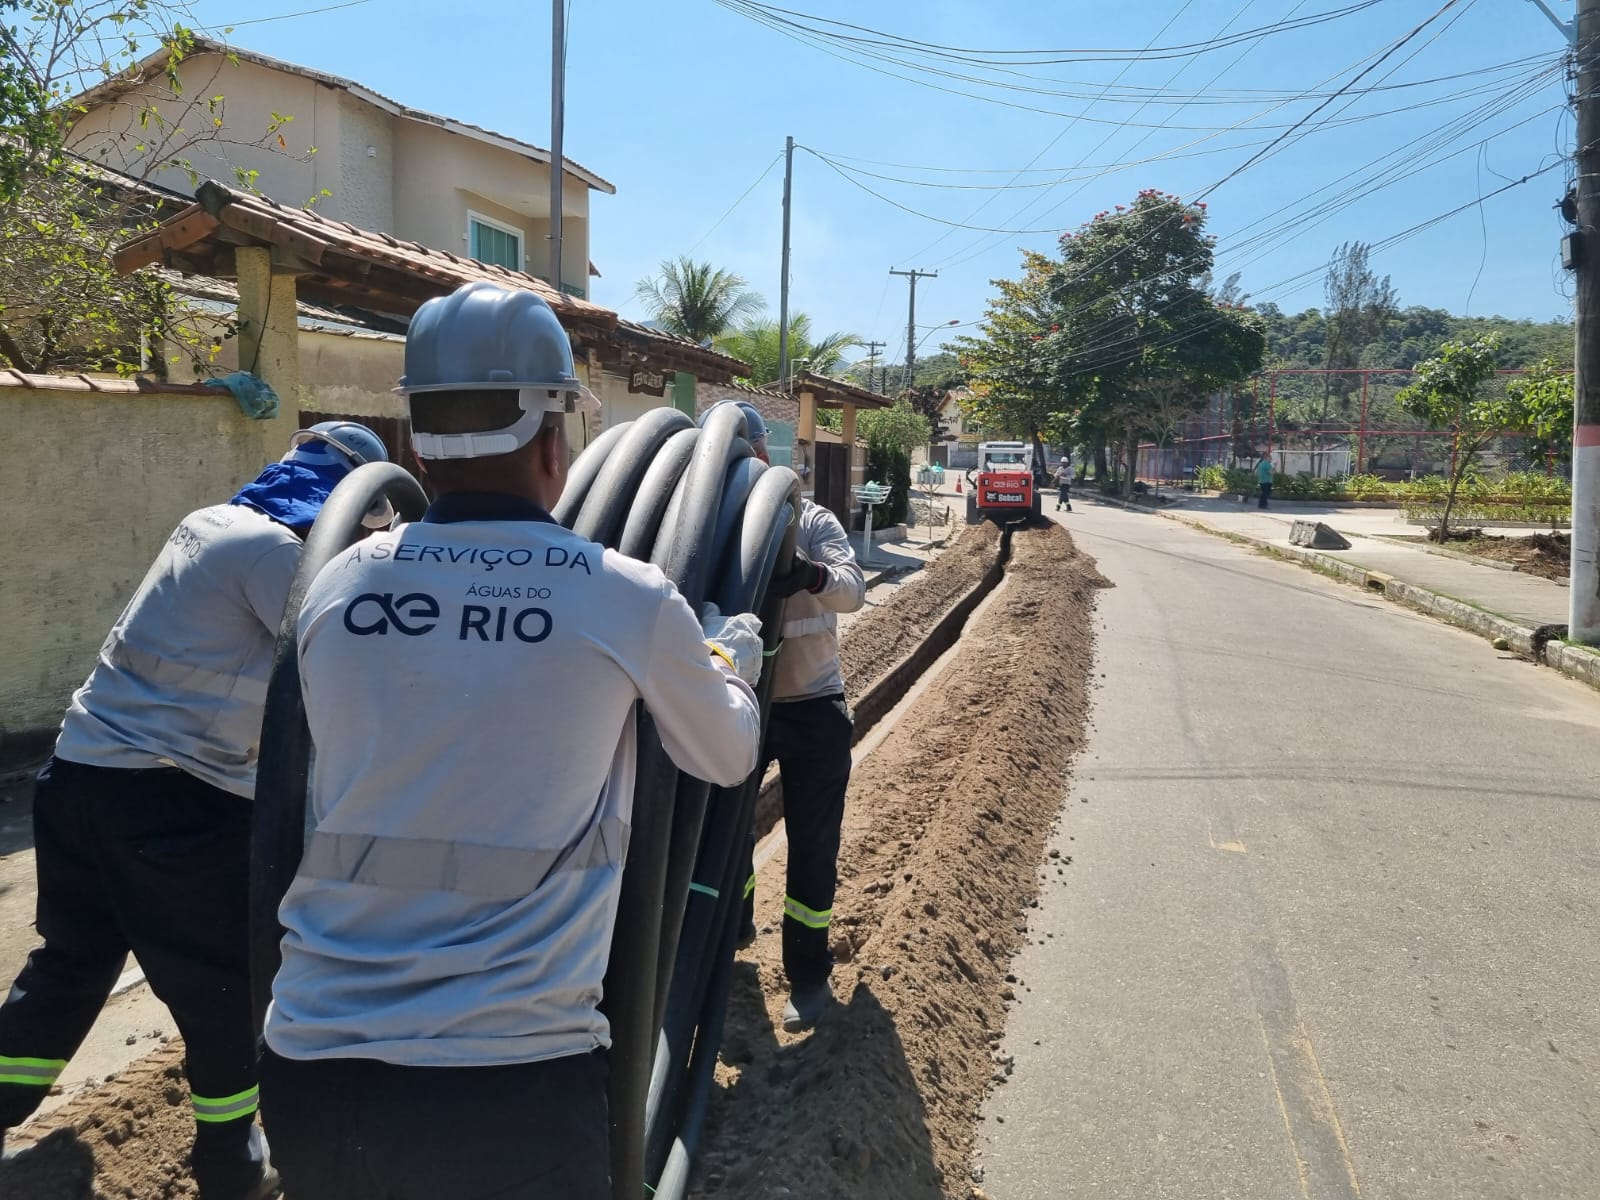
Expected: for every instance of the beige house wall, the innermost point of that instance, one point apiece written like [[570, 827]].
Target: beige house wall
[[418, 182], [291, 174], [94, 483], [441, 175]]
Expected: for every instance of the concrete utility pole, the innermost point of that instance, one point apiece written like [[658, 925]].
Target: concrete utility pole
[[783, 284], [911, 317], [558, 93], [872, 360], [1583, 623]]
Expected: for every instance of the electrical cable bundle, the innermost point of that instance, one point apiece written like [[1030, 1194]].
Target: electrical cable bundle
[[697, 503]]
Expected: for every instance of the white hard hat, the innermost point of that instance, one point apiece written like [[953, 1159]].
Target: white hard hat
[[483, 337]]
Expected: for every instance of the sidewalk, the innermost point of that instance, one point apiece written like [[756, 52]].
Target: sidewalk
[[1488, 601]]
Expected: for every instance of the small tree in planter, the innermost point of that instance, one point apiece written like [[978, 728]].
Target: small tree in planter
[[891, 434], [1446, 393]]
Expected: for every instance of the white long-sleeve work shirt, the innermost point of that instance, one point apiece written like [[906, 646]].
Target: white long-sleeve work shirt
[[470, 687], [808, 664], [182, 677]]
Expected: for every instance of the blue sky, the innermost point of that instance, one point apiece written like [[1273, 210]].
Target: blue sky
[[684, 103]]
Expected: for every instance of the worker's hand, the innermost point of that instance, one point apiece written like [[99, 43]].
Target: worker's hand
[[801, 575], [734, 641]]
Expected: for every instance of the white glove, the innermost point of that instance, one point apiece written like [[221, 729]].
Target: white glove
[[735, 640]]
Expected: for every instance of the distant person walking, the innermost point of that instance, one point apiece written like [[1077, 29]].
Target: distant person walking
[[1064, 485], [1264, 478]]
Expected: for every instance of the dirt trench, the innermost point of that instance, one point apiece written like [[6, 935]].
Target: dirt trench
[[942, 844], [944, 835]]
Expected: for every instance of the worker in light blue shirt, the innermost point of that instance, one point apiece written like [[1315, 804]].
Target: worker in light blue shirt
[[1264, 482], [142, 816]]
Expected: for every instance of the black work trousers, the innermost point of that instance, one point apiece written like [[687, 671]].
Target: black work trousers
[[810, 741], [1266, 495], [357, 1129], [156, 862]]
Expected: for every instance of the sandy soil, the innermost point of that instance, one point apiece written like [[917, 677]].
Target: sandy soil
[[943, 840], [942, 848], [125, 1141], [880, 636]]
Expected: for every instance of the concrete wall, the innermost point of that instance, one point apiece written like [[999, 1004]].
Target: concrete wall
[[94, 483], [365, 195], [351, 375]]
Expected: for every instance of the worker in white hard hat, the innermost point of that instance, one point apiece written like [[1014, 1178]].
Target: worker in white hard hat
[[141, 819], [809, 731], [470, 683]]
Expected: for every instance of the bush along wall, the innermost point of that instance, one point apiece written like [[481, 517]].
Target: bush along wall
[[892, 465], [1524, 492]]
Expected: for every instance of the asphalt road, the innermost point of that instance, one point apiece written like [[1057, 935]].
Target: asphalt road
[[1328, 927]]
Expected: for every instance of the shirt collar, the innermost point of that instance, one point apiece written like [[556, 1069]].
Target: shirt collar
[[484, 506]]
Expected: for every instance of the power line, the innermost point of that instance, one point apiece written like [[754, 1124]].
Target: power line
[[773, 16], [309, 12], [742, 197]]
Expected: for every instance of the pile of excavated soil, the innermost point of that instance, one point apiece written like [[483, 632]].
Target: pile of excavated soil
[[129, 1139], [944, 835], [881, 636], [126, 1141], [1547, 555]]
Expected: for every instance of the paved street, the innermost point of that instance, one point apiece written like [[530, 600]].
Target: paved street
[[1327, 929]]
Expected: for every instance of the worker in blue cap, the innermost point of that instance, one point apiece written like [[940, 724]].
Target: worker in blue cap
[[141, 818]]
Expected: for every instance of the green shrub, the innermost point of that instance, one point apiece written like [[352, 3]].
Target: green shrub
[[888, 463]]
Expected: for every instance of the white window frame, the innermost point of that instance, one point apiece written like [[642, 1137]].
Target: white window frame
[[490, 222]]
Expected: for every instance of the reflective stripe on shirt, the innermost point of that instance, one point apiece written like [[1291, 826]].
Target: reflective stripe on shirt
[[465, 868]]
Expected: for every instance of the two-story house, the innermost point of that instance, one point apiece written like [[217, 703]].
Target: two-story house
[[354, 154]]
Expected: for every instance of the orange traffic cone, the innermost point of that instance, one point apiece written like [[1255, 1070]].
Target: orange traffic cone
[[958, 485]]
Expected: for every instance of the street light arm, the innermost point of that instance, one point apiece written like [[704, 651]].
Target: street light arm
[[1568, 28]]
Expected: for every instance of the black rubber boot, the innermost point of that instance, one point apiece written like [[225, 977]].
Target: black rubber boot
[[806, 1006]]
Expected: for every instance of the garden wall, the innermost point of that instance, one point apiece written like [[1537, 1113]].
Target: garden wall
[[97, 474]]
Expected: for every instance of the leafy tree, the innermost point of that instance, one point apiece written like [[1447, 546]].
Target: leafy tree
[[898, 425], [1360, 307], [1545, 394], [1116, 338], [1013, 387], [1447, 393], [696, 300], [756, 342], [62, 304]]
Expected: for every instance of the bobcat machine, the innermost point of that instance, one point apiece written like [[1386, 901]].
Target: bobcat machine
[[1004, 486]]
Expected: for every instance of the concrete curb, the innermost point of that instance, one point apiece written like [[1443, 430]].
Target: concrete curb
[[1575, 662], [1462, 556]]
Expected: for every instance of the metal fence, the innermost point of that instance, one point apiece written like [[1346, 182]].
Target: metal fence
[[1319, 422]]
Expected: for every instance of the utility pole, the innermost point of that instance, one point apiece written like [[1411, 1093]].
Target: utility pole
[[1583, 623], [783, 284], [872, 360], [558, 90], [911, 318]]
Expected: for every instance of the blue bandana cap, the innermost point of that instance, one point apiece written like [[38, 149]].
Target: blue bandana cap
[[293, 493]]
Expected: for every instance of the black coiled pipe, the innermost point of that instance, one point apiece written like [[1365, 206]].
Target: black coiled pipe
[[277, 824]]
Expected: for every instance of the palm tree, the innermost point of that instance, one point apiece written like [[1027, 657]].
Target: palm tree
[[756, 342], [696, 300]]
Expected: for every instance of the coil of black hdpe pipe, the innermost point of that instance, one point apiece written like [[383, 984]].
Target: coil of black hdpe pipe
[[277, 825], [718, 522]]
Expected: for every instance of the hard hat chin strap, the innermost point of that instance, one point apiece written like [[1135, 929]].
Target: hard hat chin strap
[[488, 442]]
